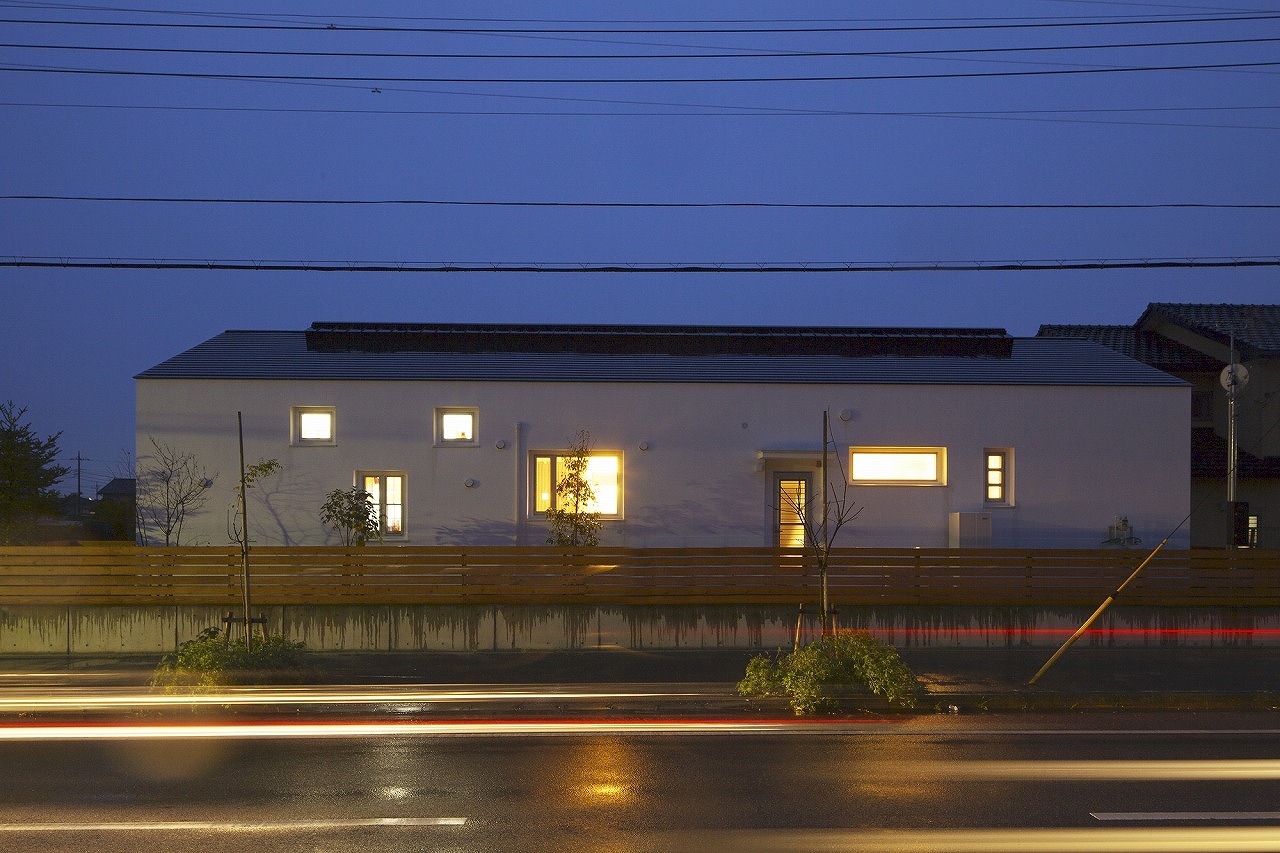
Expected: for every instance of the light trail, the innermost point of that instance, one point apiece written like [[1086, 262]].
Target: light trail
[[233, 826], [1187, 816], [1183, 839], [105, 698]]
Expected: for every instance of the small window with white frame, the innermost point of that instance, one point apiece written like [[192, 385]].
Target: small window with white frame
[[998, 476], [898, 466], [313, 426], [387, 492], [457, 426]]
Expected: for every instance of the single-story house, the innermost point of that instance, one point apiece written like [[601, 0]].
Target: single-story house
[[700, 436]]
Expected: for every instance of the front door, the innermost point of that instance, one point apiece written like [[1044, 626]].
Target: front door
[[792, 492]]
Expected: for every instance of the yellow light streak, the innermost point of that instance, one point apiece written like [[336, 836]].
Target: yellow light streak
[[232, 826]]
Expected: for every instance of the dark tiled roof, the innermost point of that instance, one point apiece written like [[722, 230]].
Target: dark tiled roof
[[286, 355], [1209, 458], [1256, 328], [1147, 347], [651, 340]]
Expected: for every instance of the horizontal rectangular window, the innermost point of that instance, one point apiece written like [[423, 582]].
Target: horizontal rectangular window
[[898, 466], [313, 425], [604, 474], [457, 426]]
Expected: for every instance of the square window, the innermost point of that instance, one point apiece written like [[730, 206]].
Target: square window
[[457, 426], [313, 425], [898, 466]]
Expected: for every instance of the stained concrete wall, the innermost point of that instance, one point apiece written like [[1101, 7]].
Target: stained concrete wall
[[135, 630]]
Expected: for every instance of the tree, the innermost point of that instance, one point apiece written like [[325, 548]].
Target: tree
[[352, 515], [573, 522], [27, 475], [823, 516], [237, 523], [171, 485]]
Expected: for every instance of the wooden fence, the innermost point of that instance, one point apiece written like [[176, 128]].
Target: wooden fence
[[127, 575]]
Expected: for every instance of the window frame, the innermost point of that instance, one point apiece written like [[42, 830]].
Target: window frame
[[534, 455], [296, 414], [939, 453], [442, 411], [1007, 477], [381, 502]]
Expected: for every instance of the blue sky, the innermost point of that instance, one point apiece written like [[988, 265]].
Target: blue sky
[[939, 150]]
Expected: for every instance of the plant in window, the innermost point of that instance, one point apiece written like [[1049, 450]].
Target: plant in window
[[573, 523], [352, 514]]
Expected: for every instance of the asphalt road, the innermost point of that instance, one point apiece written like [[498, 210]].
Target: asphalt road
[[930, 782]]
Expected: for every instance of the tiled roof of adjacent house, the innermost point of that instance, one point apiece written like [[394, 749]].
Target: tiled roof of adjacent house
[[1147, 347], [657, 354], [1255, 328]]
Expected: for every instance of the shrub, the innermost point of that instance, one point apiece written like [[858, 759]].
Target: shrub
[[815, 677], [211, 661]]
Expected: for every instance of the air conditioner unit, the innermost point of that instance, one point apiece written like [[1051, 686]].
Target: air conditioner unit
[[969, 530]]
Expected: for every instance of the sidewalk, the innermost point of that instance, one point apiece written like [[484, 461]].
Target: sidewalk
[[986, 678]]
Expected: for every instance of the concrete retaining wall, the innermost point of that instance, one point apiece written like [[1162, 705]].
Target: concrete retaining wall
[[97, 630]]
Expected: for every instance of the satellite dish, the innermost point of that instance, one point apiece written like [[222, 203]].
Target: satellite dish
[[1234, 377]]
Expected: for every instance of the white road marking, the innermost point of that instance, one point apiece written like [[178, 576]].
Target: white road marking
[[1196, 816], [233, 826]]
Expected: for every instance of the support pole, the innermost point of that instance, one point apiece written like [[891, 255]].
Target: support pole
[[1105, 604], [244, 540], [825, 544]]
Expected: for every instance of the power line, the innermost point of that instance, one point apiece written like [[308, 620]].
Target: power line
[[326, 24], [822, 78], [650, 204], [807, 54], [1059, 116], [739, 267]]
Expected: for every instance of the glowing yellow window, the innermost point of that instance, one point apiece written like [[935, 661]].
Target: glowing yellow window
[[387, 493], [456, 426], [999, 476], [604, 474], [898, 466], [313, 425]]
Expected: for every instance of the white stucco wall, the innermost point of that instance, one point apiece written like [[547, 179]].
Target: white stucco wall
[[1082, 455]]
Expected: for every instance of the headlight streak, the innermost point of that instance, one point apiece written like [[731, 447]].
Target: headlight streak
[[101, 700], [236, 826]]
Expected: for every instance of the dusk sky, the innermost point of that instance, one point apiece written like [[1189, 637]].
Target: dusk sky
[[654, 134]]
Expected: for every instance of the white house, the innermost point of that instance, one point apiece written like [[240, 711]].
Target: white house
[[943, 436]]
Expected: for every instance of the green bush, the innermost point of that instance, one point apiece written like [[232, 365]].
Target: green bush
[[210, 661], [814, 678]]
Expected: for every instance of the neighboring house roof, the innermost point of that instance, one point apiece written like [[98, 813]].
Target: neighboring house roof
[[1148, 347], [119, 487], [657, 354], [1209, 458], [1255, 328]]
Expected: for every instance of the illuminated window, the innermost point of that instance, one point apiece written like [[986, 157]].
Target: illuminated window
[[998, 480], [387, 490], [898, 466], [457, 426], [313, 425], [604, 473]]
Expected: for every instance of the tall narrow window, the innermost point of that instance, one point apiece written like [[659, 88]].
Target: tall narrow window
[[387, 490], [793, 500], [604, 473], [998, 480], [312, 425]]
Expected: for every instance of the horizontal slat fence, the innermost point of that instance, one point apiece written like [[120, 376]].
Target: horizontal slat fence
[[122, 574]]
